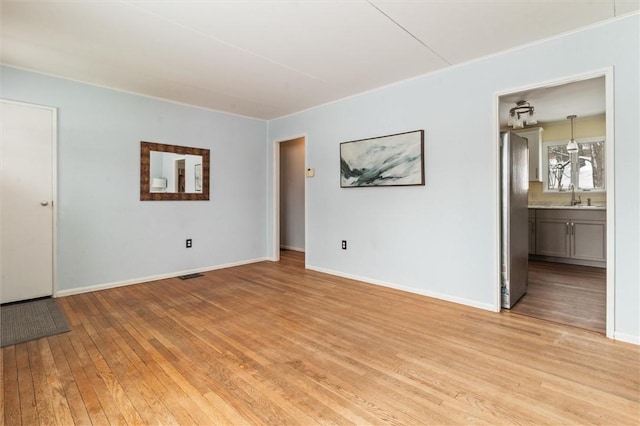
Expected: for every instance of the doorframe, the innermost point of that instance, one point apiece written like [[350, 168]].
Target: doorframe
[[608, 75], [54, 186], [276, 197]]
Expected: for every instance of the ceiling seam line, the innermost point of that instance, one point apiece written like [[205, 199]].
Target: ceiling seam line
[[203, 34], [409, 33]]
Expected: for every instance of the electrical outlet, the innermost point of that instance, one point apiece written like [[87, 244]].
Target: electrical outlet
[[344, 244], [189, 243]]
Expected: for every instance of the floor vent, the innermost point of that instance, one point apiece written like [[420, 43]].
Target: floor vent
[[189, 276]]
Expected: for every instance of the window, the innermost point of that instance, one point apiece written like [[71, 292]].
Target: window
[[585, 169]]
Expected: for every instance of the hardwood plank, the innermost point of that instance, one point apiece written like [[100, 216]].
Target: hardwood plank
[[168, 368], [272, 343], [153, 390], [53, 405], [28, 408], [567, 294], [172, 391], [10, 387], [86, 354], [2, 397], [107, 376], [69, 389], [76, 370]]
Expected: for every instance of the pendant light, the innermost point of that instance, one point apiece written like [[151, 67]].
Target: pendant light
[[572, 146], [521, 114]]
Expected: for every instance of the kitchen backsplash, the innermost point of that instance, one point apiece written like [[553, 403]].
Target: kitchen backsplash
[[536, 194]]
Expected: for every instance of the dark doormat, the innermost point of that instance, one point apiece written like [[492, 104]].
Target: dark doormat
[[31, 320]]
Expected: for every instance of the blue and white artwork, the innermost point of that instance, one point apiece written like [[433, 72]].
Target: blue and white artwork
[[394, 160]]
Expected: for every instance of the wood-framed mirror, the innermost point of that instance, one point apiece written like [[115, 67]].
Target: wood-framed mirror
[[173, 172]]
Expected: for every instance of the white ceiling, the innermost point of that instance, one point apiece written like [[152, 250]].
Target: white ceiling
[[266, 59], [584, 98]]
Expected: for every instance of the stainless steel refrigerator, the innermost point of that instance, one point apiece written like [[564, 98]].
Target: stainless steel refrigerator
[[514, 204]]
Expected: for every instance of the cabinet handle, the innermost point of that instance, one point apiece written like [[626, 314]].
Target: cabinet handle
[[567, 227], [573, 232]]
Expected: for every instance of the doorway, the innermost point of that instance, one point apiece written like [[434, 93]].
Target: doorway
[[290, 226], [28, 198], [561, 279], [180, 176]]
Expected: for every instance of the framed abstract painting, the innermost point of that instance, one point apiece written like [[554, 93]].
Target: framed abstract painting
[[393, 160]]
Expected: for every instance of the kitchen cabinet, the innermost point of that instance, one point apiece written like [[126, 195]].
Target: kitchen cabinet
[[532, 231], [534, 139], [571, 236], [553, 237]]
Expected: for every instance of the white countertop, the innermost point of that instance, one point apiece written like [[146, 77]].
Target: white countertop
[[566, 206]]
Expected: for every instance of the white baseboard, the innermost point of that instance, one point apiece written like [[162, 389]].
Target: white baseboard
[[435, 295], [79, 290], [627, 338], [292, 248]]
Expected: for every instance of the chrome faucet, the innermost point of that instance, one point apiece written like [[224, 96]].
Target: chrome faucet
[[573, 195]]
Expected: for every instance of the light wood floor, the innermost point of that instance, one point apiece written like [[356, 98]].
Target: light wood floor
[[567, 294], [272, 343]]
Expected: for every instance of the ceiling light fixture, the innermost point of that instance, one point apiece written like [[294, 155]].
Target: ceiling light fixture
[[572, 146], [521, 114]]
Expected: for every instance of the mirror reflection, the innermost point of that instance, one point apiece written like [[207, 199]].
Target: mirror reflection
[[173, 172]]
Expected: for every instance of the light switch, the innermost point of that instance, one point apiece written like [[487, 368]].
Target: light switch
[[311, 172]]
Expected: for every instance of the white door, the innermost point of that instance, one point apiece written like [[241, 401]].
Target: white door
[[27, 164]]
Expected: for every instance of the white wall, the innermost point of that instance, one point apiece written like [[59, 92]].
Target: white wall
[[442, 239], [292, 177], [106, 234], [156, 166]]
